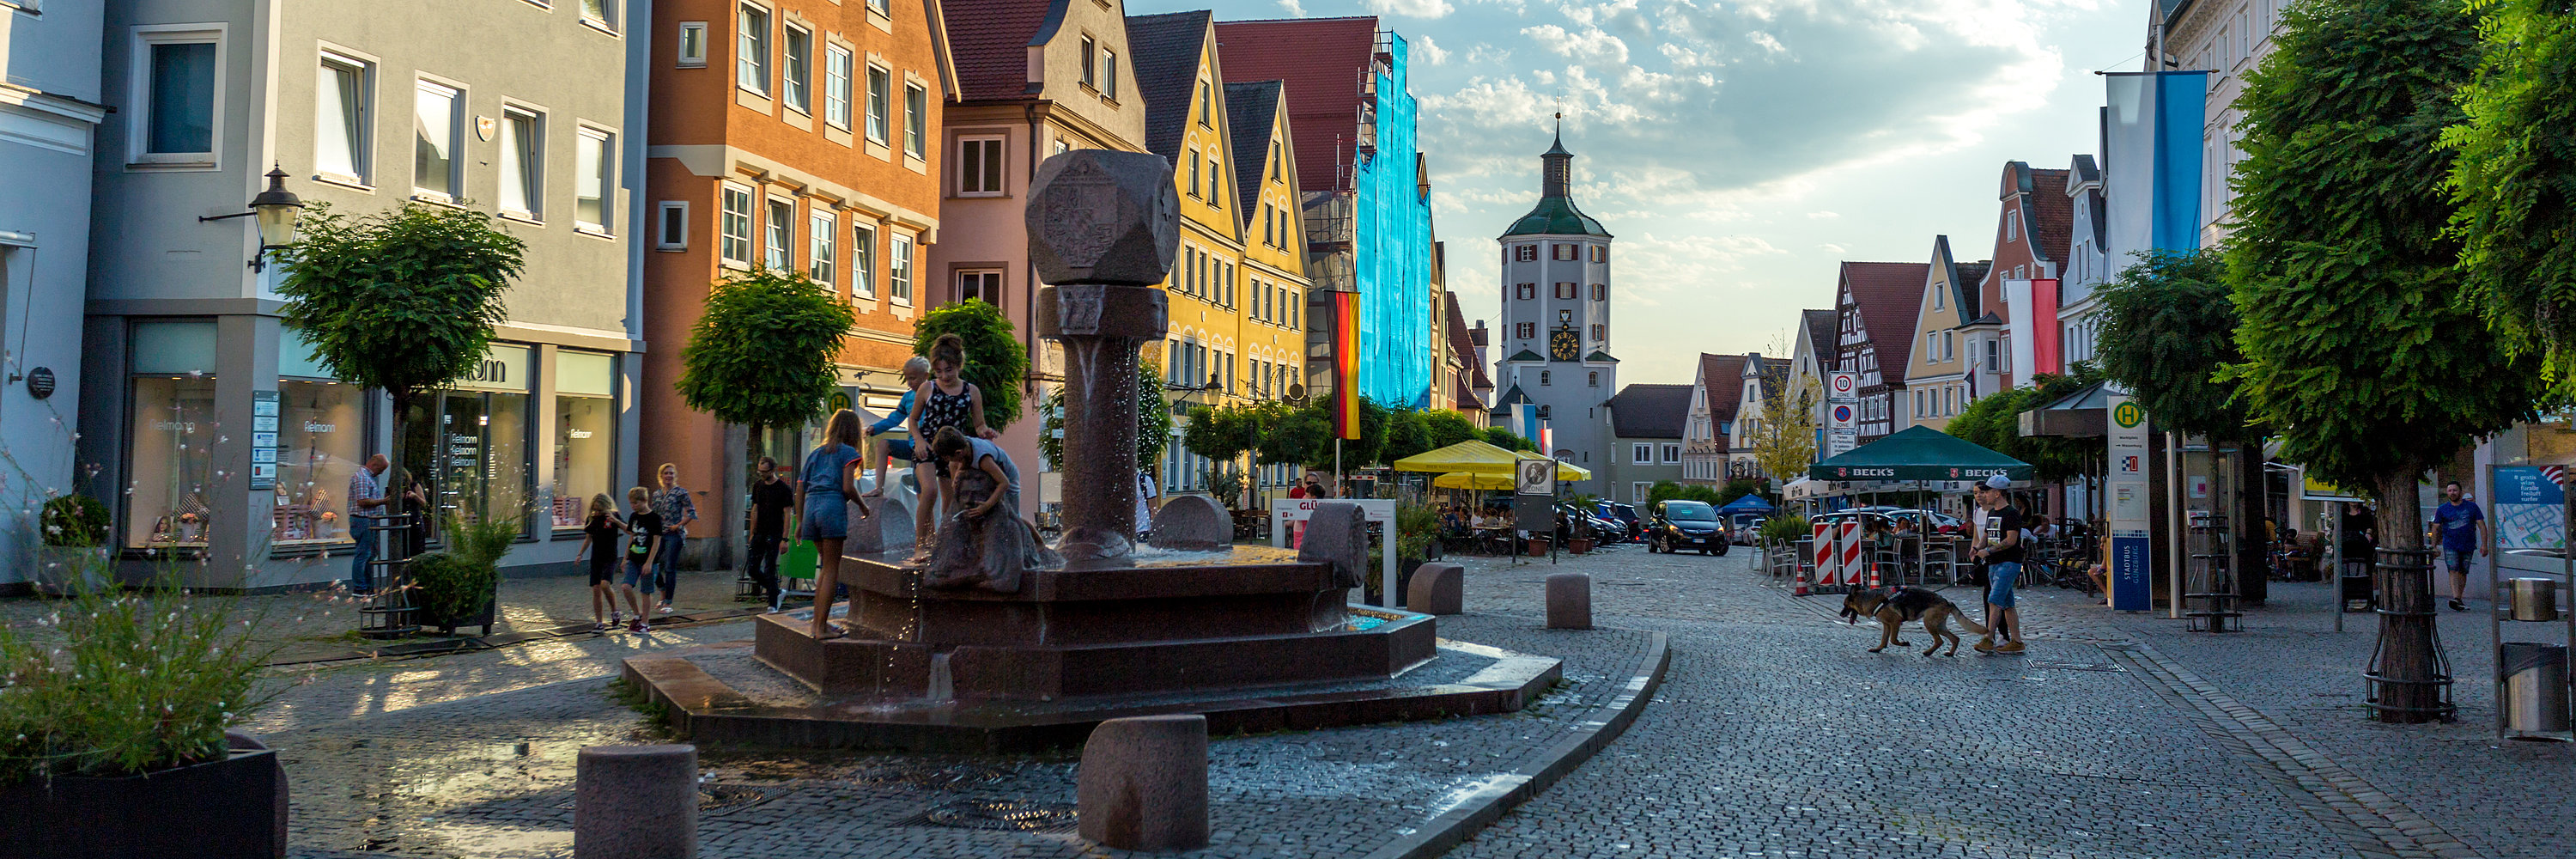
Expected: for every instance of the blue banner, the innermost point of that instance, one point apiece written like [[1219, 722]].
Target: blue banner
[[2132, 586], [2182, 108]]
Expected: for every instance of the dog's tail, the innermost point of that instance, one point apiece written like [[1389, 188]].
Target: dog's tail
[[1971, 625]]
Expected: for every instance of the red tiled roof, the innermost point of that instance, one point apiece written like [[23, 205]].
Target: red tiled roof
[[2056, 213], [1890, 296], [1723, 375], [1460, 337], [989, 42], [1320, 59], [1820, 332]]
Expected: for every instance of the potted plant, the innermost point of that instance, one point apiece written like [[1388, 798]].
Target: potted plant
[[461, 586], [72, 555], [113, 712]]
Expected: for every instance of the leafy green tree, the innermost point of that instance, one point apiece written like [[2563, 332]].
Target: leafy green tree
[[1448, 428], [2360, 348], [762, 354], [1406, 434], [2514, 178], [1153, 420], [1504, 438], [1784, 435], [1994, 420], [995, 360], [2168, 328], [1660, 492], [402, 301], [1743, 486]]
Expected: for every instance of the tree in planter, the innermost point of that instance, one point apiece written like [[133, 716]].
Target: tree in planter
[[2359, 347], [2168, 328], [761, 354], [402, 301], [995, 359]]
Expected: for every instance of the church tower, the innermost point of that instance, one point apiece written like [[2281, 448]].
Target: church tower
[[1555, 336]]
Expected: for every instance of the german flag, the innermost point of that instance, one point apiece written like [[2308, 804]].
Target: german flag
[[1346, 365]]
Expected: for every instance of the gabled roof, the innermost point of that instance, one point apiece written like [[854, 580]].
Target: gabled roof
[[1963, 286], [1598, 355], [2084, 170], [990, 44], [2056, 215], [1650, 411], [1512, 397], [1723, 375], [1320, 60], [1525, 355], [1251, 109], [1461, 345], [1466, 396], [1820, 333], [1890, 297], [1165, 49]]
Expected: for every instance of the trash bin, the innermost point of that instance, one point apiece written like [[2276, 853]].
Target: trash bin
[[2533, 598], [2535, 684]]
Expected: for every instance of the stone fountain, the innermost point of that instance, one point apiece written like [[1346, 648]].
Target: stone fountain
[[1255, 638]]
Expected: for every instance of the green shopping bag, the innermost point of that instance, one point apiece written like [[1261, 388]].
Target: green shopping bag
[[798, 563]]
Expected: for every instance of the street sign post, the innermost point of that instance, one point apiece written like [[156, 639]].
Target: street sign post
[[1842, 407], [2132, 546]]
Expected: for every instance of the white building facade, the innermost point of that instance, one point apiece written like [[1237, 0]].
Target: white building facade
[[1555, 334]]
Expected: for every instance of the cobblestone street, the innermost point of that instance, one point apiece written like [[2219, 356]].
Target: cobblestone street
[[1774, 734]]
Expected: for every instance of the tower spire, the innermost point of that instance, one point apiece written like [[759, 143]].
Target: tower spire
[[1557, 163]]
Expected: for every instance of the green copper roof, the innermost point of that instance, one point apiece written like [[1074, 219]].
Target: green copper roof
[[1556, 216], [1598, 355], [1525, 355]]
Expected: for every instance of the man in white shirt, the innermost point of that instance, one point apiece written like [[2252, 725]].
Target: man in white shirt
[[1144, 507]]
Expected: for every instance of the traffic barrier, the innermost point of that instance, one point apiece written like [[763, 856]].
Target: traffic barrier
[[1802, 583]]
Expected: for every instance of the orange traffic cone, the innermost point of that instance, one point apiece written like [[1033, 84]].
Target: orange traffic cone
[[1802, 583], [1873, 574]]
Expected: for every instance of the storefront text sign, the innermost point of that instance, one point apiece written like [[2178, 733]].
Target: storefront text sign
[[2132, 549]]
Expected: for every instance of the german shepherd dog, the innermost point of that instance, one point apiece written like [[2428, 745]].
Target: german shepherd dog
[[1894, 607]]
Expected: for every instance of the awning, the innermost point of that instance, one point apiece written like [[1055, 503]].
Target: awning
[[1750, 503], [1469, 480], [1478, 458], [1920, 453], [2082, 414]]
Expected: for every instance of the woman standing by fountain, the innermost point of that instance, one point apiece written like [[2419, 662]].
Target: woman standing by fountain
[[946, 401], [823, 492], [985, 543]]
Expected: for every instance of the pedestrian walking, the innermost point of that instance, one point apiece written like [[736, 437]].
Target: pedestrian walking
[[767, 515], [916, 370], [947, 400], [2464, 531], [600, 529], [366, 498], [823, 490], [677, 510], [643, 547], [2002, 554], [1145, 495]]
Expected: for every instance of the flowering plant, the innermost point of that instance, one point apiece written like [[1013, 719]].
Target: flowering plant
[[117, 683]]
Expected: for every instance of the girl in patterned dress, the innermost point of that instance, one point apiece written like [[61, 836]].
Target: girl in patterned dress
[[947, 400]]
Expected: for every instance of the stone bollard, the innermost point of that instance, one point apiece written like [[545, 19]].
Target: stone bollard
[[636, 802], [1569, 601], [1144, 783], [1437, 588], [1192, 523], [1337, 534]]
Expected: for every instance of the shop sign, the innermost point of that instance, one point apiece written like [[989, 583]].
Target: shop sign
[[263, 450]]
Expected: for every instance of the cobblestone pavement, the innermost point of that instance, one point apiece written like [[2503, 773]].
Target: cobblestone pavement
[[2117, 735], [473, 755]]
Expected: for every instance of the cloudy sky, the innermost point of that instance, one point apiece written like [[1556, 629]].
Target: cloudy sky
[[1738, 149]]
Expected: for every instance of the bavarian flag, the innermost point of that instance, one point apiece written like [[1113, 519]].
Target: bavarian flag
[[1346, 365]]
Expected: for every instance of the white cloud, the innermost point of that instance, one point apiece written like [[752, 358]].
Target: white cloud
[[1293, 8], [1428, 50], [1411, 8], [1587, 46]]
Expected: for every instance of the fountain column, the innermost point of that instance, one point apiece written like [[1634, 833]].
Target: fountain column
[[1103, 231]]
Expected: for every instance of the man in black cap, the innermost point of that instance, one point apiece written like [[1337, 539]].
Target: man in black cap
[[2002, 553]]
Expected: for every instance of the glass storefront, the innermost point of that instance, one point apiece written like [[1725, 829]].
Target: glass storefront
[[171, 456], [585, 443], [469, 443], [321, 442]]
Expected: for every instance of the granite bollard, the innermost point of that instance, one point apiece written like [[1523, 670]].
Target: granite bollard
[[1337, 534], [1144, 783], [1192, 523], [1569, 601], [635, 802], [1437, 588]]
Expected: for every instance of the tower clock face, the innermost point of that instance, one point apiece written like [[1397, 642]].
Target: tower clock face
[[1562, 345]]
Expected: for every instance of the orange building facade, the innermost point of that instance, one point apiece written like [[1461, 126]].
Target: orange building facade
[[796, 135]]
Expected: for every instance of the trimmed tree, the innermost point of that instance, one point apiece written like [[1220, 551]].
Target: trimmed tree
[[995, 360], [2514, 178], [2168, 328], [402, 301], [2360, 347], [1504, 438], [761, 355], [1448, 428]]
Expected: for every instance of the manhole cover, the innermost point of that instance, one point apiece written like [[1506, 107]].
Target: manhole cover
[[725, 797], [1009, 815], [930, 776]]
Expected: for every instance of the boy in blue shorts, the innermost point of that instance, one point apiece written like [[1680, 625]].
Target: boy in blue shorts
[[2002, 553]]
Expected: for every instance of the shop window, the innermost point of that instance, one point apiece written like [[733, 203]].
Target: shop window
[[170, 459], [468, 445], [585, 442], [321, 440]]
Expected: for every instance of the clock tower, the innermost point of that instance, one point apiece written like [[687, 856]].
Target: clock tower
[[1555, 338]]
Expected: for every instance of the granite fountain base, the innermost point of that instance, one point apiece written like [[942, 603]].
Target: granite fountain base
[[1250, 637]]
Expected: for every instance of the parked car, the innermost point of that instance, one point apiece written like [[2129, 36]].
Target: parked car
[[1683, 525], [1603, 530], [1625, 515]]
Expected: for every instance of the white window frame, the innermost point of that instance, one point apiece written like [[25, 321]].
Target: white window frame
[[1672, 453], [863, 262], [606, 139], [899, 263], [778, 235], [1642, 453], [823, 246], [747, 241], [751, 50], [456, 139], [674, 233], [837, 61], [536, 196], [796, 86], [139, 123], [606, 19], [999, 150], [1109, 74], [361, 150], [880, 104], [1090, 62], [692, 34], [916, 120], [992, 296]]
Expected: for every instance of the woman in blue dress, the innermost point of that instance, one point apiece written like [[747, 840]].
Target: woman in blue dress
[[823, 492]]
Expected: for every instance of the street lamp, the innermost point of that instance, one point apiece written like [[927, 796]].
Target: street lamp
[[276, 209]]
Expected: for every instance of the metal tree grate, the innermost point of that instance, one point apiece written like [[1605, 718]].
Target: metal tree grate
[[2406, 597], [2211, 593]]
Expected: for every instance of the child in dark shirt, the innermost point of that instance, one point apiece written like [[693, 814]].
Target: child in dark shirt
[[643, 527]]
